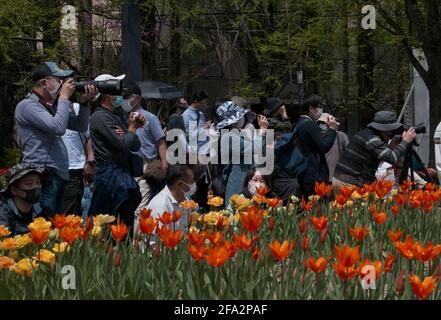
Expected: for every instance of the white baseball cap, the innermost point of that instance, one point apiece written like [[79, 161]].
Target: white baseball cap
[[105, 77]]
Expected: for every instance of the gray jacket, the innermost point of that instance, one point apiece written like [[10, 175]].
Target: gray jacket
[[40, 130], [16, 222]]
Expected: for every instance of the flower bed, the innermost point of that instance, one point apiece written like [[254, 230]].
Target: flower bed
[[263, 251]]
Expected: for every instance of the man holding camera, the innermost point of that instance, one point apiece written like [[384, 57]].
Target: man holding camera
[[115, 190], [368, 148], [42, 118]]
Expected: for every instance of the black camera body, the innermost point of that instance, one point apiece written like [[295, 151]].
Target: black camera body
[[112, 87]]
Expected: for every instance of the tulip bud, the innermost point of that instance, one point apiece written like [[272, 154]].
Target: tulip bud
[[220, 223], [323, 234], [271, 223], [118, 260], [400, 283], [305, 243], [303, 226], [157, 251]]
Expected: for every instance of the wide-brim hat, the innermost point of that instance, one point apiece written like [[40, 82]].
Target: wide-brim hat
[[229, 113], [273, 104], [19, 171], [385, 121]]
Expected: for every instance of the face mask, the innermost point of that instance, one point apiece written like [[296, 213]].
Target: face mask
[[318, 114], [117, 103], [192, 190], [252, 187], [32, 195], [54, 93], [127, 105]]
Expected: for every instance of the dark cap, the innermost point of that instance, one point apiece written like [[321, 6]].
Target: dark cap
[[131, 88], [19, 171], [199, 96], [49, 68], [273, 104]]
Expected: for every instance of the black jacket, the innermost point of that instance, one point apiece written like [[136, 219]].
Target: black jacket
[[314, 145]]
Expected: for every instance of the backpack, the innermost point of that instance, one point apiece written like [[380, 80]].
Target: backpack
[[288, 153]]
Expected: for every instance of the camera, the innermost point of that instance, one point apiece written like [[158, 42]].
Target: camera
[[419, 129], [111, 87]]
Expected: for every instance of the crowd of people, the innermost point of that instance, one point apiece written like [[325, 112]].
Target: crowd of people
[[118, 152]]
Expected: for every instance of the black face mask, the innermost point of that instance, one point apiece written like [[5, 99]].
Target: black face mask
[[32, 195]]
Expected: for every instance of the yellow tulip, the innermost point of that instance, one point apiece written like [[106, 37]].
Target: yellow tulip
[[45, 256], [103, 219], [25, 267]]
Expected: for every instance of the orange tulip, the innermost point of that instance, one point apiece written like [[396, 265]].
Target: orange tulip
[[318, 265], [256, 254], [359, 233], [380, 218], [196, 239], [341, 200], [262, 191], [189, 204], [176, 216], [217, 256], [119, 231], [146, 213], [394, 236], [406, 186], [273, 202], [59, 221], [243, 241], [271, 223], [319, 223], [400, 283], [147, 225], [231, 247], [281, 251], [389, 263], [429, 252], [406, 248], [306, 206], [197, 253], [347, 256], [252, 219], [323, 234], [69, 235], [373, 209], [400, 199], [303, 226], [422, 289], [322, 189], [347, 191], [376, 264], [166, 218], [215, 238], [343, 272], [305, 243], [170, 238], [40, 235], [383, 187], [395, 210]]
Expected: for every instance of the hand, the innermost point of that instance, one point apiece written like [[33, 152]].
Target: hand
[[263, 122], [136, 121], [90, 92], [409, 135], [120, 131], [282, 111], [332, 123], [89, 173], [207, 124], [67, 89]]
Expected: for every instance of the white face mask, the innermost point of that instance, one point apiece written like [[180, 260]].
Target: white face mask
[[54, 93], [192, 190], [318, 114], [253, 185], [127, 105]]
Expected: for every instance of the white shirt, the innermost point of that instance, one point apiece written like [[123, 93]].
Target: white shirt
[[75, 144], [164, 201], [437, 140]]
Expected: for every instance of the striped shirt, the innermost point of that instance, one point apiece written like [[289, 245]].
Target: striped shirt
[[362, 156]]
